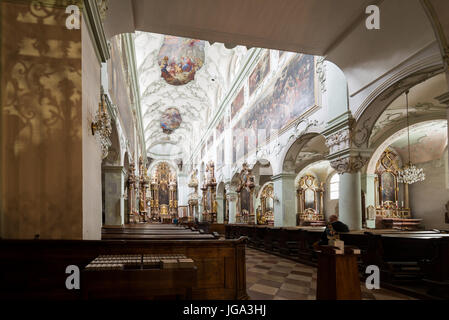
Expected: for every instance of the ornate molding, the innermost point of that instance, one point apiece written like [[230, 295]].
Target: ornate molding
[[94, 23], [339, 141], [349, 164]]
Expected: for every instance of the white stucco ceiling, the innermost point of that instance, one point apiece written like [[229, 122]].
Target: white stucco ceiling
[[197, 101]]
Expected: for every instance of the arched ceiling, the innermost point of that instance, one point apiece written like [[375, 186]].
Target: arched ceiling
[[422, 105], [197, 100]]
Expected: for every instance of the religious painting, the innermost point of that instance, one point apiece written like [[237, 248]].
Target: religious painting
[[309, 199], [289, 95], [180, 58], [388, 187], [238, 103], [260, 72], [170, 120]]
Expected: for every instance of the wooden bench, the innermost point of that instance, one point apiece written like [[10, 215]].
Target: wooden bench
[[404, 257], [36, 268]]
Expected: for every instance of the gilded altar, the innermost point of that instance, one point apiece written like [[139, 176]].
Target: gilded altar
[[265, 215], [309, 195], [163, 193]]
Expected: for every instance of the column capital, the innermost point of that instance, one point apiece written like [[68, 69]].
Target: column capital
[[349, 163]]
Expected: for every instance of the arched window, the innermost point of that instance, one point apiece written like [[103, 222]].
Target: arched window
[[334, 186]]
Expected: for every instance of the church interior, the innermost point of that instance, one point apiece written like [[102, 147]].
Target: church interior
[[203, 150]]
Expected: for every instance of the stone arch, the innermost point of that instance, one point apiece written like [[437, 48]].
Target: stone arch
[[385, 94], [289, 162]]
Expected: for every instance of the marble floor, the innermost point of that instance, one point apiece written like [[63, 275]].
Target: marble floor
[[269, 277]]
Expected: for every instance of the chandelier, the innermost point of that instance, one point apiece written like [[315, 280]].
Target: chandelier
[[410, 173], [101, 127]]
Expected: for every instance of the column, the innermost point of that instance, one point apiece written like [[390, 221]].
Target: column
[[350, 201], [220, 209], [183, 189], [368, 186], [232, 199], [114, 185], [347, 160], [284, 200]]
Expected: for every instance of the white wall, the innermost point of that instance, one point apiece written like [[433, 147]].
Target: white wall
[[429, 197]]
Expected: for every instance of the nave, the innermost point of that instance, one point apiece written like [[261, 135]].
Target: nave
[[269, 277]]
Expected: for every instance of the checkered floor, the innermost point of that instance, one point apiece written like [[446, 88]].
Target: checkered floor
[[269, 277]]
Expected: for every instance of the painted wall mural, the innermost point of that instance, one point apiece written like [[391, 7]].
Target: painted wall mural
[[238, 103], [288, 96], [170, 120], [260, 72], [180, 58]]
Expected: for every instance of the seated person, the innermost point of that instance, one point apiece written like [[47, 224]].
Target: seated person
[[337, 226]]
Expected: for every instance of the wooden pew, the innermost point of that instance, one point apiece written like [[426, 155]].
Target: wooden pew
[[35, 269], [404, 258]]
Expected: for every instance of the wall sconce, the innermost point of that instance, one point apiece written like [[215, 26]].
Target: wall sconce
[[101, 127]]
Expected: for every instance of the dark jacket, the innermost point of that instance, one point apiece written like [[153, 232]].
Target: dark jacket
[[338, 227]]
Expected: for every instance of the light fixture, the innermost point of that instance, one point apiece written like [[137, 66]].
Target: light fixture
[[101, 127], [410, 173]]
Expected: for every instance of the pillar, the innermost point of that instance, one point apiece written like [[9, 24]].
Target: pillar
[[114, 205], [369, 187], [350, 201], [183, 189], [231, 195], [220, 209], [284, 200]]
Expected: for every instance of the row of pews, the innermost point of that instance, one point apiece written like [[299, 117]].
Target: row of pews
[[411, 261], [155, 232], [36, 269]]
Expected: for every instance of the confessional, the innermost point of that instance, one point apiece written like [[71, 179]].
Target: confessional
[[310, 202], [245, 193], [265, 215], [391, 197]]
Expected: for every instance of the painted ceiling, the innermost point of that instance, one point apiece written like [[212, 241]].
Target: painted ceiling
[[427, 142], [182, 83], [422, 104]]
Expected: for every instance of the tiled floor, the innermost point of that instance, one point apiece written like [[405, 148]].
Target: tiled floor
[[269, 277]]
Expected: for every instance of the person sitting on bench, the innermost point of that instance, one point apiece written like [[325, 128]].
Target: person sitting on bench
[[337, 226]]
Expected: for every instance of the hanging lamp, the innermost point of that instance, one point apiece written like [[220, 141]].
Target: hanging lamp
[[410, 173]]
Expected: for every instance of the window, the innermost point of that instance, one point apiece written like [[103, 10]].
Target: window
[[334, 186]]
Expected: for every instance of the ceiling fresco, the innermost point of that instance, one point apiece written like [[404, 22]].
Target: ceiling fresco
[[179, 59], [191, 76]]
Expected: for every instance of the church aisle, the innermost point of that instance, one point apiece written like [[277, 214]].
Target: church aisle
[[269, 277]]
